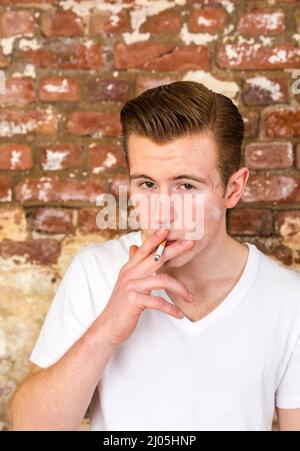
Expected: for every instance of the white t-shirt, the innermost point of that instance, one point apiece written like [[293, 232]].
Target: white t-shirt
[[226, 371]]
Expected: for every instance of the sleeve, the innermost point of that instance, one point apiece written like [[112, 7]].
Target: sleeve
[[288, 392], [70, 314]]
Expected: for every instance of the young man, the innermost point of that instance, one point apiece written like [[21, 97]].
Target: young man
[[205, 338]]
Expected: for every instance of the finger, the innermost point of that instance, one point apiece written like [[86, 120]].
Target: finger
[[148, 246], [132, 250], [161, 281], [149, 265], [159, 303]]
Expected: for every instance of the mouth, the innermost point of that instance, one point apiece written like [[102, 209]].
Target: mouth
[[170, 242]]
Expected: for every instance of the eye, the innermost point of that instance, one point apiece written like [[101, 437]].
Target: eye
[[190, 187], [151, 183]]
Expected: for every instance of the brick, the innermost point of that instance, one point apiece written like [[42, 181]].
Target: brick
[[58, 55], [61, 23], [107, 22], [14, 156], [19, 91], [262, 21], [59, 89], [274, 188], [261, 90], [137, 54], [54, 189], [51, 220], [287, 223], [282, 123], [105, 157], [111, 90], [42, 252], [5, 188], [25, 122], [61, 156], [94, 123], [249, 56], [162, 56], [269, 155], [87, 220], [168, 21], [16, 22], [250, 222], [251, 124], [145, 82], [4, 60], [208, 20]]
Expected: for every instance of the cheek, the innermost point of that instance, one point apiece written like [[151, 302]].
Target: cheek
[[213, 214]]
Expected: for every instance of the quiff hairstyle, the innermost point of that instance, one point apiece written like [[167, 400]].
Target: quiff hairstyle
[[181, 108]]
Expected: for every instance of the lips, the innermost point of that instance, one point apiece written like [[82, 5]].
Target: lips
[[170, 242]]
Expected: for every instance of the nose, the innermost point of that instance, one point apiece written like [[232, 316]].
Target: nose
[[163, 212]]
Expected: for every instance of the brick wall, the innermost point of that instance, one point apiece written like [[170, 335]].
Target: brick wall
[[69, 67]]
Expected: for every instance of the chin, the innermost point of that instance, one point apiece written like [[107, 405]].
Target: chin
[[178, 261]]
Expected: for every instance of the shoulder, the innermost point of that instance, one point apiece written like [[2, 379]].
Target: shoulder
[[109, 255], [281, 283]]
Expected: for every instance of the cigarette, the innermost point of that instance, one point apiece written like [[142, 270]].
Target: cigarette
[[160, 250]]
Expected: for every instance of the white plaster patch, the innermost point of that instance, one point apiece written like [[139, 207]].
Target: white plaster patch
[[29, 44], [7, 197], [15, 158], [196, 38], [272, 87], [228, 5], [269, 21], [227, 88], [63, 87], [29, 71], [54, 160], [266, 41], [10, 128], [7, 45], [296, 36], [279, 57], [204, 21], [108, 163]]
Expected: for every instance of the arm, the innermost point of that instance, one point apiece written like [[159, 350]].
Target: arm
[[288, 419], [56, 398]]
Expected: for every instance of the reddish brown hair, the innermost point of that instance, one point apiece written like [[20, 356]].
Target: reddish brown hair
[[180, 108]]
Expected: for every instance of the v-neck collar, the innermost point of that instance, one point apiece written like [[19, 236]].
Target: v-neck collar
[[235, 296]]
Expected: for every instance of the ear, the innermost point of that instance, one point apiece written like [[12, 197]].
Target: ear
[[236, 186]]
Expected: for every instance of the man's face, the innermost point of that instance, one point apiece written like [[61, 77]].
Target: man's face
[[155, 170]]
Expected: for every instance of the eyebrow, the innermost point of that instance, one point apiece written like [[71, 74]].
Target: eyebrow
[[179, 177]]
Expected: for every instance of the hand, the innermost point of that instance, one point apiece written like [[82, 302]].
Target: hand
[[131, 294]]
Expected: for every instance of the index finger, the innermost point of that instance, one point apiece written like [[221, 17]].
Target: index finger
[[148, 246]]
